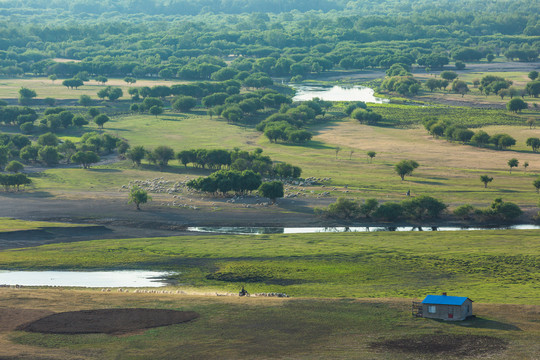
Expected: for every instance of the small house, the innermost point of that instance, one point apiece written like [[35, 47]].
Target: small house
[[452, 308]]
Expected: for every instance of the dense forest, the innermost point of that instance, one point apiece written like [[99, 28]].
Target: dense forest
[[194, 39]]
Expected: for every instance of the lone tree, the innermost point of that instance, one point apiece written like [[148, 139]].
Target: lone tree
[[156, 110], [271, 190], [533, 75], [516, 105], [138, 196], [26, 95], [405, 167], [513, 163], [536, 184], [371, 155], [449, 75], [486, 180], [525, 165], [533, 142], [101, 119], [72, 83]]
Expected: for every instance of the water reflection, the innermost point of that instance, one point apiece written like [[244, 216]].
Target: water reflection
[[124, 278], [340, 229], [336, 93]]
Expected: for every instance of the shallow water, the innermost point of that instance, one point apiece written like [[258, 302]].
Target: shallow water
[[340, 229], [124, 278], [336, 93]]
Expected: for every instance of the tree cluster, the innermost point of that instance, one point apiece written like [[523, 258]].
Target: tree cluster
[[454, 132], [417, 208]]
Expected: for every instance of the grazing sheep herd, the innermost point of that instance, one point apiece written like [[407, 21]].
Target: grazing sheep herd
[[183, 196], [170, 292]]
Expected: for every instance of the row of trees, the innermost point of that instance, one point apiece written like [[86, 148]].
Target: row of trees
[[216, 159], [453, 132], [14, 180], [418, 208], [241, 183]]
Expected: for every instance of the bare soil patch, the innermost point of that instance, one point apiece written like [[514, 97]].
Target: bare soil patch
[[108, 321], [12, 318], [444, 344]]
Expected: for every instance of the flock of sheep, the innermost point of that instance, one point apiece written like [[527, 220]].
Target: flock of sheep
[[293, 188]]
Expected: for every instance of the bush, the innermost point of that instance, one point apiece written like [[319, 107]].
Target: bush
[[388, 211], [423, 207]]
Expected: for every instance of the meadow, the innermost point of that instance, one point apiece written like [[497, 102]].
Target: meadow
[[263, 328], [488, 266]]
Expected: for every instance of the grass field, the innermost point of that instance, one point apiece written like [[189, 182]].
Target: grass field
[[488, 266], [262, 328], [447, 170], [44, 87], [8, 224]]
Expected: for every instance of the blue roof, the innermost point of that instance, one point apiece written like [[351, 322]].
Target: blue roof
[[444, 300]]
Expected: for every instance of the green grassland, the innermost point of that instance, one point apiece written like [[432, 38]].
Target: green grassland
[[488, 266], [454, 180], [9, 224], [263, 328]]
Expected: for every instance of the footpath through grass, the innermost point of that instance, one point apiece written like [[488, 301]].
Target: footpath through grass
[[487, 266]]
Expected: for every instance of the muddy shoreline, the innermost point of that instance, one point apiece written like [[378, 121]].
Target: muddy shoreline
[[112, 218]]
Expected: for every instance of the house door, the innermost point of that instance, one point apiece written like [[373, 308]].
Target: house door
[[450, 312]]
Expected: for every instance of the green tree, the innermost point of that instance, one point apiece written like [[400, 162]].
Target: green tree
[[100, 120], [136, 154], [460, 87], [516, 105], [184, 103], [533, 75], [271, 190], [405, 167], [369, 207], [486, 179], [536, 184], [14, 166], [449, 75], [343, 209], [423, 207], [513, 163], [85, 100], [130, 80], [161, 155], [534, 143], [533, 88], [138, 196], [48, 139], [26, 95], [371, 155], [156, 110], [85, 158], [48, 155], [72, 83]]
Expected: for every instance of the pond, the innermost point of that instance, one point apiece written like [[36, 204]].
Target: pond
[[336, 93], [123, 278], [340, 229]]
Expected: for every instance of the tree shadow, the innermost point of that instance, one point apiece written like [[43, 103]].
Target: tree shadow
[[482, 323], [312, 144], [26, 193], [104, 170], [426, 182]]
